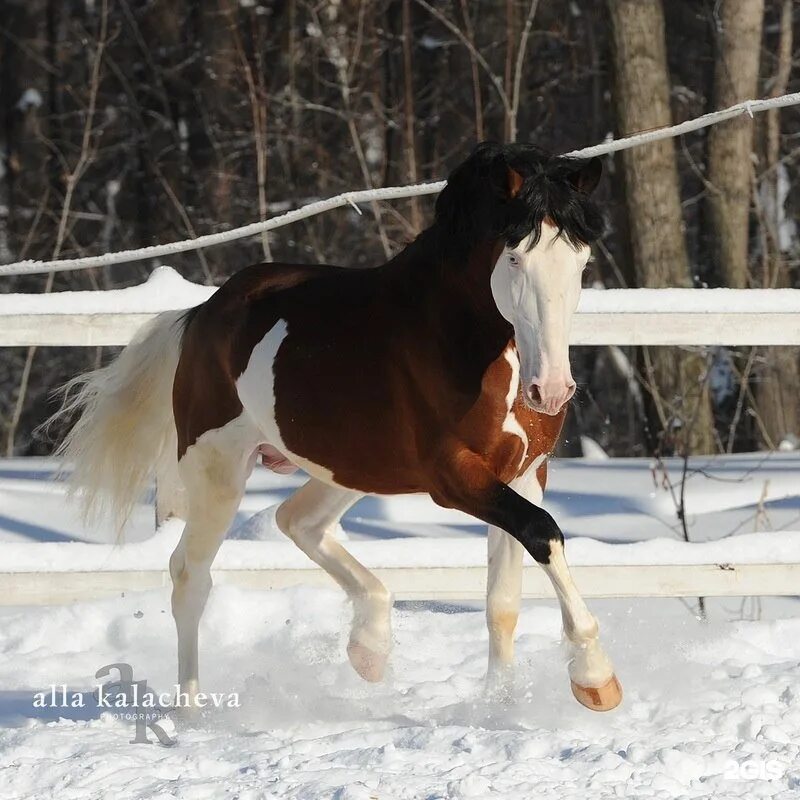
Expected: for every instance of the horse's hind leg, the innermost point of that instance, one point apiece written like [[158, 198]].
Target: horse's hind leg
[[213, 470], [309, 518]]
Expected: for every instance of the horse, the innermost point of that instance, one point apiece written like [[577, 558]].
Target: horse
[[444, 371]]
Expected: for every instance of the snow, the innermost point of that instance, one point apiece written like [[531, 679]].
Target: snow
[[166, 290], [689, 301], [612, 500], [612, 510], [267, 552], [708, 707], [30, 98], [710, 710]]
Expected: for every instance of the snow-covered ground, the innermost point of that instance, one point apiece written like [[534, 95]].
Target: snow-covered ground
[[612, 500], [711, 709]]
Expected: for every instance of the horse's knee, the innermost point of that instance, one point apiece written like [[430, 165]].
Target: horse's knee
[[502, 611], [502, 614]]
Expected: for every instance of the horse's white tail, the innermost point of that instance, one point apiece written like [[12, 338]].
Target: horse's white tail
[[126, 430]]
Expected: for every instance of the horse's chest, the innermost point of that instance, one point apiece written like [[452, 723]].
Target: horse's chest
[[493, 426]]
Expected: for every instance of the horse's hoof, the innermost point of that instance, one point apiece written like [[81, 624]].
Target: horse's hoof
[[367, 663], [601, 698]]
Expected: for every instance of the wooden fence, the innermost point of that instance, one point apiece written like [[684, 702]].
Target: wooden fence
[[698, 324]]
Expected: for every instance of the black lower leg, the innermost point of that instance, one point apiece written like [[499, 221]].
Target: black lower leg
[[461, 479], [532, 526]]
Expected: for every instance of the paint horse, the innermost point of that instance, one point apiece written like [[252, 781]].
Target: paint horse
[[444, 371]]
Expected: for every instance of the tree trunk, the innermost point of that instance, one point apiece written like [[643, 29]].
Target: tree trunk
[[409, 115], [676, 380], [731, 143], [778, 381]]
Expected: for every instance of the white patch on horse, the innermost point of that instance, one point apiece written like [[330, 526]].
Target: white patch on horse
[[510, 423], [256, 390]]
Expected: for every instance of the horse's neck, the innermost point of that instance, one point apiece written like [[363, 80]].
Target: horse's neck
[[453, 294], [466, 290]]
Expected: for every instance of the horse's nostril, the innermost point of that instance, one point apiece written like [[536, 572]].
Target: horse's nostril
[[536, 396]]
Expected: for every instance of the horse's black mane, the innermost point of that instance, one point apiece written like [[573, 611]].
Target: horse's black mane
[[475, 205]]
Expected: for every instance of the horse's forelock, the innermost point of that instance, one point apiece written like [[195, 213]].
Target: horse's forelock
[[475, 205]]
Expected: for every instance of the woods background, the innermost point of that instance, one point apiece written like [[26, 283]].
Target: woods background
[[131, 122]]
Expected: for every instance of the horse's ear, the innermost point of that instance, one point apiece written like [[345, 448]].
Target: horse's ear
[[587, 176], [515, 181]]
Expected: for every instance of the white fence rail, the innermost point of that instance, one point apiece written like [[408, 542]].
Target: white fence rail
[[414, 568], [612, 316], [428, 583], [620, 328]]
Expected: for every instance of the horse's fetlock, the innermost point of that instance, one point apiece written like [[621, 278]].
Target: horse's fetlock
[[502, 620], [584, 632], [380, 594]]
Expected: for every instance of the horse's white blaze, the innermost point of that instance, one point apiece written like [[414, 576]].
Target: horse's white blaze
[[511, 423], [256, 390], [537, 291]]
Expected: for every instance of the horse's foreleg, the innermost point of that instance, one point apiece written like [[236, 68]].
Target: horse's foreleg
[[214, 471], [503, 590], [504, 584], [591, 673], [462, 479], [309, 518]]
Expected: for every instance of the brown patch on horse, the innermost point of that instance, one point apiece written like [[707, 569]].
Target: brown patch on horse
[[543, 432], [359, 384]]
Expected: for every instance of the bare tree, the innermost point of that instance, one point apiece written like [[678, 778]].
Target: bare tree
[[730, 144], [778, 386], [677, 382]]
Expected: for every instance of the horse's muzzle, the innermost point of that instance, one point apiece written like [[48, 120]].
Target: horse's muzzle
[[548, 398]]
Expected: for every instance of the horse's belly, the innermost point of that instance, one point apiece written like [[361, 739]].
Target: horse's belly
[[256, 390]]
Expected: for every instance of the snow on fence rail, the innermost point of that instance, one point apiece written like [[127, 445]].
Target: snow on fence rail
[[29, 266], [609, 316], [413, 569]]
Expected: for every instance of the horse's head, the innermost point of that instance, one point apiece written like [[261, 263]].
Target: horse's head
[[537, 208]]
